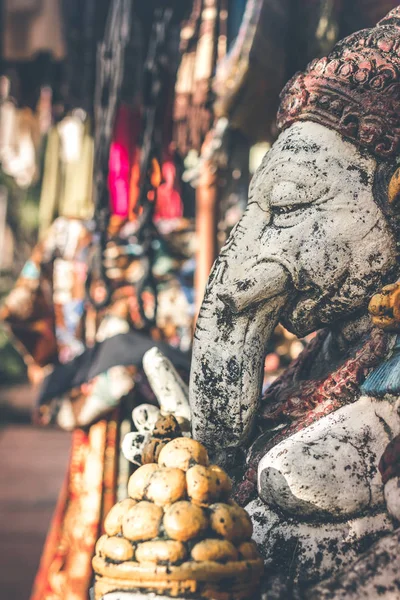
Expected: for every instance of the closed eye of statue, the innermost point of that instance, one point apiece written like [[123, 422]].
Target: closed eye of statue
[[290, 208]]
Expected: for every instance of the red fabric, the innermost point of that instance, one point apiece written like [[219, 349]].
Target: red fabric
[[168, 200]]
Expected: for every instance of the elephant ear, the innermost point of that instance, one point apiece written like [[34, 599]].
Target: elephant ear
[[394, 188]]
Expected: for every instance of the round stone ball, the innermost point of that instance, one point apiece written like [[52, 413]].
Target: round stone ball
[[230, 522], [139, 480], [248, 551], [118, 549], [113, 521], [167, 427], [202, 487], [224, 482], [214, 550], [100, 545], [161, 552], [151, 450], [184, 521], [142, 522], [165, 486], [183, 453]]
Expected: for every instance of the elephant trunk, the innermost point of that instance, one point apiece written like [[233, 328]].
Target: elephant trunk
[[236, 320]]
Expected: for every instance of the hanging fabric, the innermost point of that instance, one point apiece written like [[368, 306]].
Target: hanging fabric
[[67, 189], [32, 26], [84, 24], [184, 80], [139, 242], [249, 79], [206, 53], [168, 200], [110, 70], [85, 327], [203, 43], [124, 153]]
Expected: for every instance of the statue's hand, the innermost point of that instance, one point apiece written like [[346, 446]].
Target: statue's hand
[[172, 394]]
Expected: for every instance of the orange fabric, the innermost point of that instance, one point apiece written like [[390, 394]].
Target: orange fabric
[[134, 189], [65, 571]]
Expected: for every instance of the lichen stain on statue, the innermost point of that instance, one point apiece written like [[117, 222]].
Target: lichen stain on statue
[[319, 238]]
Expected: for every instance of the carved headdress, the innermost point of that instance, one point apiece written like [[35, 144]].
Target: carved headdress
[[355, 90]]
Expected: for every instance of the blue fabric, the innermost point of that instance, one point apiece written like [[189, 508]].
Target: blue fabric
[[30, 270], [385, 379]]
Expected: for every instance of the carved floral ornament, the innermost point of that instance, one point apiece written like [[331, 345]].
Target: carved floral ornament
[[355, 90]]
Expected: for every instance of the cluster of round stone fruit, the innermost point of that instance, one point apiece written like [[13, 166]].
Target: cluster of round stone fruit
[[178, 515]]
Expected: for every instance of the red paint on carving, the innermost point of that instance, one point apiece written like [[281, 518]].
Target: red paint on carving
[[355, 90]]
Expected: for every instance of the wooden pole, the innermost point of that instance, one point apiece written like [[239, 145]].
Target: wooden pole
[[206, 198]]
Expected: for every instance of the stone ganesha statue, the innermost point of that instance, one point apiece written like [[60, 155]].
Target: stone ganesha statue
[[320, 237], [316, 459]]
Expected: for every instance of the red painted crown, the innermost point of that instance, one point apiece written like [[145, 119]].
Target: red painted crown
[[355, 90]]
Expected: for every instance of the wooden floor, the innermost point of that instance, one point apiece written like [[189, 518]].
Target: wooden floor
[[32, 466]]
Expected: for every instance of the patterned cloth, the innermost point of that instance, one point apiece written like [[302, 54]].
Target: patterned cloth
[[65, 570]]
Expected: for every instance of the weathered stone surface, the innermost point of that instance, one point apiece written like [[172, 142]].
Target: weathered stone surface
[[132, 446], [313, 246], [374, 575], [392, 497], [145, 417], [311, 551], [331, 468]]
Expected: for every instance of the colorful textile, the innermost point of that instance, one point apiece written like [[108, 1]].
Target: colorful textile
[[301, 401], [48, 324], [65, 570], [124, 154], [67, 187], [168, 199]]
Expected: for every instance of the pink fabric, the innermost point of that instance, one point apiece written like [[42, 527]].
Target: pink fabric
[[122, 153]]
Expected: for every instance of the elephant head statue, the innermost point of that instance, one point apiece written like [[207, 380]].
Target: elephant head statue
[[319, 238], [320, 234]]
